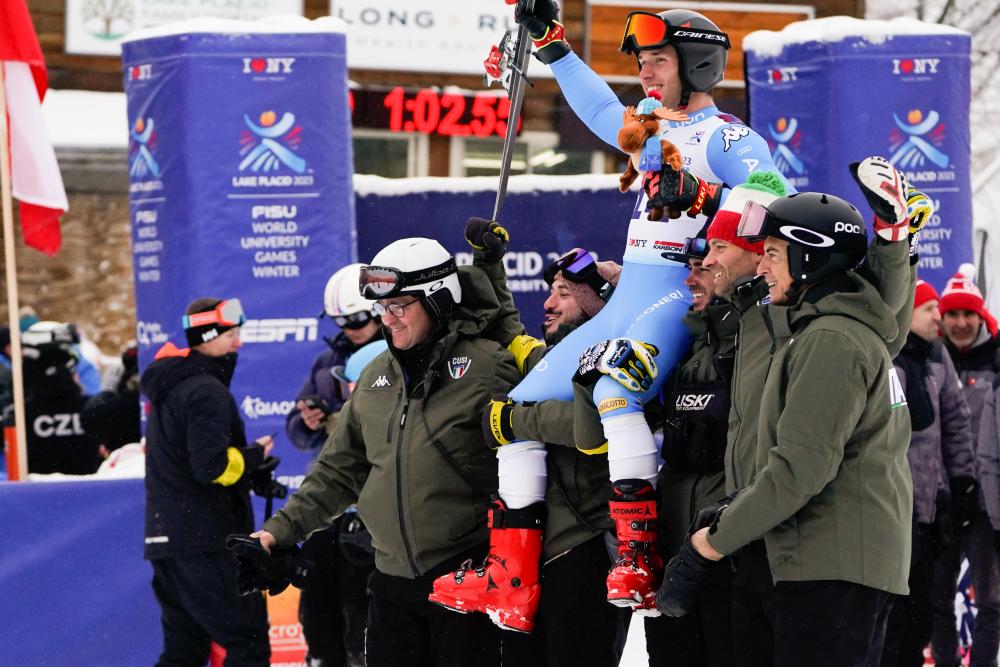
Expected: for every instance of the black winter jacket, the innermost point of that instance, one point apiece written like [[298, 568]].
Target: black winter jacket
[[193, 420]]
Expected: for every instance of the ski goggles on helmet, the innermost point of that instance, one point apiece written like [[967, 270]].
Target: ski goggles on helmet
[[228, 313], [645, 30], [755, 221], [580, 267], [382, 282], [354, 320]]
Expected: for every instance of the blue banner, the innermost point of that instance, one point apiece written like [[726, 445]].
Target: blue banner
[[240, 171], [822, 105], [76, 590], [546, 216]]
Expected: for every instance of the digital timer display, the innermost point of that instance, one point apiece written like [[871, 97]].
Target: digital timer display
[[431, 111]]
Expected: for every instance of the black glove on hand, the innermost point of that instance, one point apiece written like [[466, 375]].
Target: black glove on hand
[[682, 581], [544, 28], [678, 191], [708, 517], [261, 571], [487, 237], [497, 427], [964, 503], [543, 16], [262, 481]]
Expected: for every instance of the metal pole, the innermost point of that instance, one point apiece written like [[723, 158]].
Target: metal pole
[[522, 50]]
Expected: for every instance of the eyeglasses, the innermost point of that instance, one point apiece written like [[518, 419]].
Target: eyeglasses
[[645, 30], [228, 313], [579, 266], [397, 309], [354, 320]]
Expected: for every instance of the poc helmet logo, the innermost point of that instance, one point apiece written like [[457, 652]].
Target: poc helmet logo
[[848, 227], [805, 236]]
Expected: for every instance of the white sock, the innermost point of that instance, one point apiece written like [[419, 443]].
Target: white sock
[[521, 467], [632, 451]]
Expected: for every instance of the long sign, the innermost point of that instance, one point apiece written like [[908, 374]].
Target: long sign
[[440, 36]]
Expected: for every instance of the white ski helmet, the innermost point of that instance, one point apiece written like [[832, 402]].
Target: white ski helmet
[[417, 266], [342, 296]]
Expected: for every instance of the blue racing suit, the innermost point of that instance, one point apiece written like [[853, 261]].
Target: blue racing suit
[[650, 299]]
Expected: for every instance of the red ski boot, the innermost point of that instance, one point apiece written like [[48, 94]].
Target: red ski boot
[[505, 586], [635, 577]]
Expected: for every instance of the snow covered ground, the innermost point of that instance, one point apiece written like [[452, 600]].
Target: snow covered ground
[[635, 648]]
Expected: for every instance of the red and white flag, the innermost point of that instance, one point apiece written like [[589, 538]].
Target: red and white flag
[[37, 183]]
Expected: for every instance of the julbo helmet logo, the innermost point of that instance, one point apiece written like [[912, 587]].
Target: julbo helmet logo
[[805, 236]]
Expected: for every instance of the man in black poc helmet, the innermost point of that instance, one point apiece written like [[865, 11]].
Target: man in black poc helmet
[[831, 495]]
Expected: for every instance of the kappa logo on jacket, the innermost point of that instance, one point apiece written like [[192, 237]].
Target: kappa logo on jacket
[[380, 382], [458, 366]]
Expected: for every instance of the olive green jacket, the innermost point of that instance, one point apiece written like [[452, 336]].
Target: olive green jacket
[[578, 487], [831, 494], [889, 268], [410, 451]]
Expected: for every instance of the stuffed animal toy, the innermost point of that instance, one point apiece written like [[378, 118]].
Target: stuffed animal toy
[[639, 136]]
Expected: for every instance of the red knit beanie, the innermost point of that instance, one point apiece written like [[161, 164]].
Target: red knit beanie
[[761, 187], [961, 293], [925, 292]]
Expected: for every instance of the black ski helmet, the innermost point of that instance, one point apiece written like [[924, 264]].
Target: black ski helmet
[[826, 235], [702, 56]]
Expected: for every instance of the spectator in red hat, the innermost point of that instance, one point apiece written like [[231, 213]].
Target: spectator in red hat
[[970, 338], [963, 311]]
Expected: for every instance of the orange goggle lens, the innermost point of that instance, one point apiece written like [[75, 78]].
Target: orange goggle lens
[[643, 30]]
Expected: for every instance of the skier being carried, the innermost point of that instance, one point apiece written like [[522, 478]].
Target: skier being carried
[[681, 55]]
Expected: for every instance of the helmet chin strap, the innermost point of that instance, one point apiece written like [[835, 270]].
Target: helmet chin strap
[[685, 98]]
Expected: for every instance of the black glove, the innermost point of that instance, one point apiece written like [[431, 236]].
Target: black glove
[[678, 191], [682, 581], [271, 572], [944, 530], [262, 481], [964, 503], [488, 237], [497, 427], [544, 28], [708, 517]]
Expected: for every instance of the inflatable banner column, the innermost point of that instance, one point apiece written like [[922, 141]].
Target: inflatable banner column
[[828, 92], [240, 169]]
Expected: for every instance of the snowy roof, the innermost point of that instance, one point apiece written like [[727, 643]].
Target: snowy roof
[[365, 184], [767, 43], [270, 24], [86, 119]]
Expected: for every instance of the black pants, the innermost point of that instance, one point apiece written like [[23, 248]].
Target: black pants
[[829, 623], [702, 637], [575, 625], [984, 571], [908, 629], [199, 605], [334, 609], [404, 628], [753, 607]]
